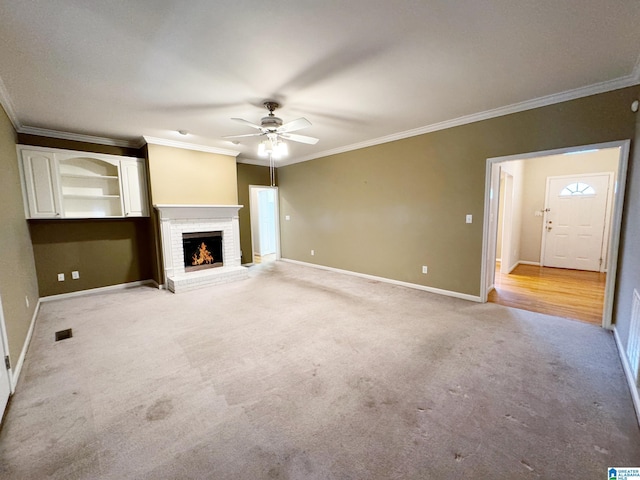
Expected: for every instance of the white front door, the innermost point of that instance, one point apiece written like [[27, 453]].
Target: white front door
[[5, 381], [575, 221]]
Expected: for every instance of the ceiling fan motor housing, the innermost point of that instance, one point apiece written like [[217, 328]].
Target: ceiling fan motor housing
[[270, 123]]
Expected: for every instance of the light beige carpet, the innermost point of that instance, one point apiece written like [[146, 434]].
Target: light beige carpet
[[298, 373]]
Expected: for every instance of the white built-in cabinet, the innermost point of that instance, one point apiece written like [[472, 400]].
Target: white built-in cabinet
[[69, 184]]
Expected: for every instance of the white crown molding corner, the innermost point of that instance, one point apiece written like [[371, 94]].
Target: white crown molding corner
[[189, 146], [78, 137], [636, 71], [7, 104], [594, 89], [255, 161]]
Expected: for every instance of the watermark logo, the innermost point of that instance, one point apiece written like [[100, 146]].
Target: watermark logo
[[623, 473]]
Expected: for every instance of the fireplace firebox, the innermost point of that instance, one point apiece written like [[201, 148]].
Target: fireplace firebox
[[202, 250]]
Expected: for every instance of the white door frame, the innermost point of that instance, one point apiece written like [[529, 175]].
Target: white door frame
[[607, 215], [507, 219], [489, 234], [253, 209], [4, 343]]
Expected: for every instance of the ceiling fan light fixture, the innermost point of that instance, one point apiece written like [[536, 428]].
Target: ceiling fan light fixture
[[282, 149], [262, 149]]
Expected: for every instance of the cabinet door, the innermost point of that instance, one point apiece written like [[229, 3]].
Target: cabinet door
[[134, 188], [41, 184]]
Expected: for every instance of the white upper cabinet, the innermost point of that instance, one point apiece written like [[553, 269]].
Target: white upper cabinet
[[69, 184], [41, 189], [133, 182]]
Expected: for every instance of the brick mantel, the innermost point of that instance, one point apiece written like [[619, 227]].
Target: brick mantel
[[178, 219]]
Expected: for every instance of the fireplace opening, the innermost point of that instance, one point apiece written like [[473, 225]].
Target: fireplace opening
[[202, 250]]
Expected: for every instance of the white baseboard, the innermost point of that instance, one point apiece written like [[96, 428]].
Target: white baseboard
[[635, 396], [79, 293], [448, 293], [526, 262], [15, 372]]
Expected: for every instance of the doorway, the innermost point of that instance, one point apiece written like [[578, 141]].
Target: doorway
[[533, 238], [265, 240], [5, 378]]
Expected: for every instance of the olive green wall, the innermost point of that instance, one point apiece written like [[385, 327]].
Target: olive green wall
[[189, 177], [98, 249], [104, 252], [629, 259], [248, 175], [389, 209], [17, 266]]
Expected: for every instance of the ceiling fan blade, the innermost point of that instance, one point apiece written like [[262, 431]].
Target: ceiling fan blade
[[247, 122], [300, 138], [245, 135], [294, 125]]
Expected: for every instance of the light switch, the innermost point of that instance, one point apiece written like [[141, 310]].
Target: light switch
[[287, 217], [469, 218]]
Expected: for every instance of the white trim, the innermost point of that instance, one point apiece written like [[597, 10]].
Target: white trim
[[601, 87], [257, 162], [527, 262], [91, 291], [253, 208], [7, 104], [635, 396], [189, 146], [25, 347], [616, 227], [4, 341], [78, 137], [438, 291], [616, 221], [636, 71]]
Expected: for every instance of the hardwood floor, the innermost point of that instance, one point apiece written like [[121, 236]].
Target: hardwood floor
[[566, 293]]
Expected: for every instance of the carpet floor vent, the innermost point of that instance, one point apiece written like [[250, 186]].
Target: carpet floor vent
[[633, 344], [64, 334]]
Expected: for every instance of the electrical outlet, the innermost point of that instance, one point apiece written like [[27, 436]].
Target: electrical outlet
[[424, 269], [61, 277], [469, 218], [75, 275], [313, 252], [287, 217]]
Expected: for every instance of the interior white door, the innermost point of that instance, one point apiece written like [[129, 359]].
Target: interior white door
[[5, 381], [575, 220]]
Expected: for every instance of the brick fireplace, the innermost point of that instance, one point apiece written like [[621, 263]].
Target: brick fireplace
[[183, 221]]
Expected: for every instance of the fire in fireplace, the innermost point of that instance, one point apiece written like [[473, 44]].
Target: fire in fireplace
[[202, 250]]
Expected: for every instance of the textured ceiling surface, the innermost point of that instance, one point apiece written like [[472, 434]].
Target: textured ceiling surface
[[358, 71]]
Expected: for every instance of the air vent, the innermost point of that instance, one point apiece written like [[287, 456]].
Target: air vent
[[63, 334]]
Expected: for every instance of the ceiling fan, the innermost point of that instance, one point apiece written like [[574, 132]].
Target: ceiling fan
[[275, 131]]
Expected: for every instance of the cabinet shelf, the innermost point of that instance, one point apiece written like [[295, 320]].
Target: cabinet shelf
[[94, 197], [81, 175]]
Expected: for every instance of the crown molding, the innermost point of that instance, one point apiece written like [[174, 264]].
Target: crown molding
[[7, 104], [77, 137], [189, 146], [596, 88], [253, 161], [636, 71]]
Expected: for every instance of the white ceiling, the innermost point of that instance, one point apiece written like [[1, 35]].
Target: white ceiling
[[362, 71]]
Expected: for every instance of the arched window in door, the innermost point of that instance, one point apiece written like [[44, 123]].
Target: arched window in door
[[577, 188]]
